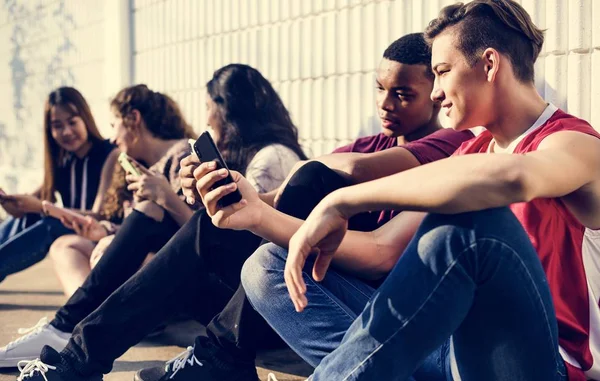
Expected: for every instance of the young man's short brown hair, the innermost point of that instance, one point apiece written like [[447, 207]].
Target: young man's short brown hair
[[499, 24]]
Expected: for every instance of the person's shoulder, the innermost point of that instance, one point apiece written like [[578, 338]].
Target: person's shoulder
[[371, 143], [178, 150], [560, 121], [173, 156], [274, 152]]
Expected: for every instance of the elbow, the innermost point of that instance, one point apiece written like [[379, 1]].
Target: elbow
[[356, 171], [516, 180], [380, 270]]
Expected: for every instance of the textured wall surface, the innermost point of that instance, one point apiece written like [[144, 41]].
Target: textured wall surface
[[320, 55], [43, 44]]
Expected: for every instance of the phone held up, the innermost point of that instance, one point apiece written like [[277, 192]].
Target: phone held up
[[206, 150], [127, 165]]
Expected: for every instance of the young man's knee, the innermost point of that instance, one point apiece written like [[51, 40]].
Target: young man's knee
[[443, 236], [262, 270]]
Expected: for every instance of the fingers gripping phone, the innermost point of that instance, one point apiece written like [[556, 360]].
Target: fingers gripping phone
[[206, 150], [127, 165]]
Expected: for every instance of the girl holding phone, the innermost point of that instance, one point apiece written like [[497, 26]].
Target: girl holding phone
[[151, 133], [78, 164], [256, 136]]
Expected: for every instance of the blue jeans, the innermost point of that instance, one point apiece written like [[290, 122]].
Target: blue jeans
[[25, 241], [470, 280]]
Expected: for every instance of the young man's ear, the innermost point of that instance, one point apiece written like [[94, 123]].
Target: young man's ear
[[491, 63]]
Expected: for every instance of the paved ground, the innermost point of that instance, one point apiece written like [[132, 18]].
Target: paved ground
[[35, 293]]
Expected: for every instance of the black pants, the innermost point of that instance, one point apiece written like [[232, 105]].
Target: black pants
[[197, 272], [238, 328], [138, 236]]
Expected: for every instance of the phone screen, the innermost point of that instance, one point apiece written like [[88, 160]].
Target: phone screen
[[206, 150]]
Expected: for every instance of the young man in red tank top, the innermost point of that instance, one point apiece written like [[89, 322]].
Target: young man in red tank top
[[501, 278]]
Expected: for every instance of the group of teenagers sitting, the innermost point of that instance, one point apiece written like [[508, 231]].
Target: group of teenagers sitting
[[421, 253]]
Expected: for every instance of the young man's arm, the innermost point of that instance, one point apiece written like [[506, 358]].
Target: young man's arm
[[563, 163], [355, 167], [368, 255], [362, 167]]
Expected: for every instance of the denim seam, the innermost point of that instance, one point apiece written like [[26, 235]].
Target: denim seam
[[407, 321], [322, 291], [352, 285], [537, 291], [320, 288], [450, 268]]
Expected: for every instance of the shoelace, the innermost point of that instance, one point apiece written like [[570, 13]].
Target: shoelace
[[28, 368], [181, 360], [28, 332]]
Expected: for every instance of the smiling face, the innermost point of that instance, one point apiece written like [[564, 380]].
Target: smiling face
[[463, 90], [403, 98], [67, 128]]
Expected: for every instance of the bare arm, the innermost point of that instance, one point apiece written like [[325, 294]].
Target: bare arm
[[563, 163], [356, 167], [384, 245], [362, 167]]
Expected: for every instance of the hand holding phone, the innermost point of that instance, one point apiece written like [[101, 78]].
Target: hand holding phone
[[187, 166], [206, 150], [127, 165]]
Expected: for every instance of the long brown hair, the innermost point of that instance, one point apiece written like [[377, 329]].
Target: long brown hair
[[113, 207], [72, 101], [160, 113], [253, 115]]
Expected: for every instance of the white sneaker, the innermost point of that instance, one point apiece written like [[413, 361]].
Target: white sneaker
[[29, 346]]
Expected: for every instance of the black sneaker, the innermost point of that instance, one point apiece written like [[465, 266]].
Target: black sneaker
[[49, 367], [205, 362]]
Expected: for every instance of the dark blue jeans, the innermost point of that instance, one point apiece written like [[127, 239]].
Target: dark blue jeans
[[25, 241], [469, 281]]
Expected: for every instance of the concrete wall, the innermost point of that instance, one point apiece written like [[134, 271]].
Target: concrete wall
[[320, 55], [43, 45]]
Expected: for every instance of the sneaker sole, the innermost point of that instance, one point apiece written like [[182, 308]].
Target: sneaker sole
[[12, 363]]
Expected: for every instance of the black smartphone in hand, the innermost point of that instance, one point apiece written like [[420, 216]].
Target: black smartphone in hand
[[206, 150]]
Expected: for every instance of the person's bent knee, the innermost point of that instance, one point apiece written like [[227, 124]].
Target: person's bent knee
[[310, 172], [61, 244], [151, 210], [262, 271]]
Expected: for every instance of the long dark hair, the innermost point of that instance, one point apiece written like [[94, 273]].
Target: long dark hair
[[252, 115], [160, 112], [72, 101]]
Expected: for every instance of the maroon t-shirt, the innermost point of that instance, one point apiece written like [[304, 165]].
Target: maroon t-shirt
[[439, 145]]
